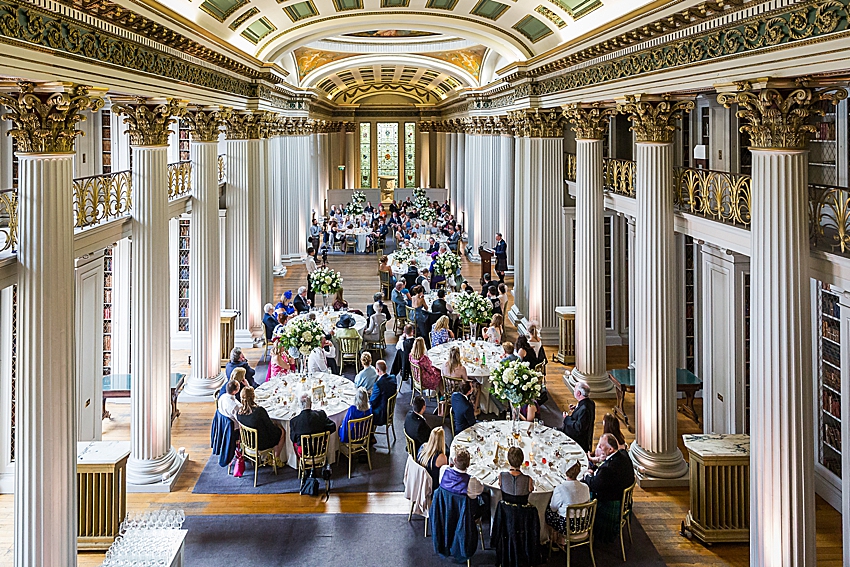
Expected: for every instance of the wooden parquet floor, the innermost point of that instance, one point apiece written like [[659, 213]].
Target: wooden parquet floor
[[660, 511]]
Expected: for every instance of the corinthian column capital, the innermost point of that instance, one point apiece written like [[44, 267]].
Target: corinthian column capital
[[654, 119], [148, 120], [205, 124], [589, 121], [537, 123]]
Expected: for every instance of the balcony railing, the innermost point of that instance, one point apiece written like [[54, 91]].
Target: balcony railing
[[179, 179], [829, 226], [716, 195], [9, 220], [222, 168], [618, 176], [571, 167], [101, 198]]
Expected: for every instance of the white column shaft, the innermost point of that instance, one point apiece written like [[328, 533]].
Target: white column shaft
[[451, 168], [45, 521], [522, 181], [440, 160], [351, 150], [782, 509], [460, 177], [632, 261], [655, 451], [424, 159], [238, 242], [506, 193], [486, 197], [150, 433], [204, 276]]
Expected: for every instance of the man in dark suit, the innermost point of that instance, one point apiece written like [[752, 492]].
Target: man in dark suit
[[415, 425], [578, 425], [401, 363], [501, 252], [301, 303], [439, 307], [454, 238], [308, 422], [410, 276], [238, 360], [385, 388], [269, 321], [462, 410], [378, 299], [607, 483], [432, 246]]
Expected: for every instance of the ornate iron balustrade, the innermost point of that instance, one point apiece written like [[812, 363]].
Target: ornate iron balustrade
[[179, 179], [618, 176], [829, 220], [101, 197], [571, 167], [9, 220], [222, 168], [717, 195]]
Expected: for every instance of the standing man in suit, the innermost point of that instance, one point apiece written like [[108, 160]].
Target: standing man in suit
[[311, 267], [607, 483], [385, 388], [501, 250], [415, 425], [301, 303], [578, 425], [308, 422], [464, 413]]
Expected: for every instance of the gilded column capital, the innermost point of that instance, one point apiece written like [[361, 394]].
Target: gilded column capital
[[484, 125], [205, 123], [45, 120], [427, 126], [779, 119], [589, 121], [298, 126], [654, 119], [504, 126], [537, 123], [148, 120], [350, 127], [261, 126], [327, 126]]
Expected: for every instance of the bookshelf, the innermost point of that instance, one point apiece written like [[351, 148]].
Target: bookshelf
[[607, 229], [107, 311], [747, 353], [823, 148], [183, 276], [690, 304], [106, 140], [829, 382], [183, 141]]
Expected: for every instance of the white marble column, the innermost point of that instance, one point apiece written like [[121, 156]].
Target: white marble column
[[475, 156], [204, 278], [521, 242], [352, 148], [590, 271], [505, 189], [460, 177], [440, 159], [632, 260], [485, 197], [261, 275], [424, 156], [237, 269], [451, 168], [151, 453]]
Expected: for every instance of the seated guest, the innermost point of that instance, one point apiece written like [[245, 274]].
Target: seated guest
[[578, 424], [410, 276], [417, 297], [415, 425], [515, 484], [465, 287], [432, 454], [323, 358], [399, 300], [454, 368], [441, 332], [280, 362], [238, 375], [285, 305], [301, 303], [455, 479], [359, 410], [432, 246], [607, 483], [503, 297], [610, 424], [401, 362], [493, 333], [535, 342], [378, 305], [493, 297], [527, 353], [424, 280], [269, 320], [422, 317], [508, 347], [454, 238], [462, 408], [238, 360], [430, 376], [440, 306], [384, 266], [251, 415], [485, 286], [227, 403], [345, 328], [373, 330], [528, 412], [385, 387], [568, 493], [367, 377], [339, 301], [308, 422]]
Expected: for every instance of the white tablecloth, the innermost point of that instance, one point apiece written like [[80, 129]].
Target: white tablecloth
[[473, 359], [423, 260], [280, 397], [548, 454], [328, 320], [361, 234]]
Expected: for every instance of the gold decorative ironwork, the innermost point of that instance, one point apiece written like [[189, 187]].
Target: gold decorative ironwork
[[779, 119], [101, 197], [537, 123], [571, 166], [222, 168], [829, 220], [148, 121], [9, 219], [205, 124], [717, 195], [179, 179], [44, 120], [590, 121], [654, 120], [618, 176]]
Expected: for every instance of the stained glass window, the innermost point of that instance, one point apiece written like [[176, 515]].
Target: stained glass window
[[366, 155], [388, 148], [410, 154]]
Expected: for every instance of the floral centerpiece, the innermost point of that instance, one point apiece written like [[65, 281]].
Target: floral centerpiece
[[357, 200], [405, 255], [447, 264], [473, 309], [325, 281], [301, 336], [423, 205], [513, 381]]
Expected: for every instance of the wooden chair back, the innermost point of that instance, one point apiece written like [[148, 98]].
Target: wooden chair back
[[391, 410], [350, 345], [410, 314], [451, 385], [441, 284], [416, 372], [248, 437]]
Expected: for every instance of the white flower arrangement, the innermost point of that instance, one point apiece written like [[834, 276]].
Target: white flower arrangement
[[325, 281], [423, 205], [302, 335], [472, 308], [357, 200], [447, 264], [513, 381], [406, 255]]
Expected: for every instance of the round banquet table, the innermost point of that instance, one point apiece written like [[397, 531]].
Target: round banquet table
[[423, 260], [538, 443], [451, 298], [421, 241], [361, 234], [328, 321], [280, 395], [472, 357]]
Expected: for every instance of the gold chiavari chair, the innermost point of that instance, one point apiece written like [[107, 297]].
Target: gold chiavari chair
[[248, 437], [359, 435]]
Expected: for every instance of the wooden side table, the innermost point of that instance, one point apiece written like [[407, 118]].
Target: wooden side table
[[720, 488], [566, 335], [101, 491], [624, 381], [228, 333], [119, 385]]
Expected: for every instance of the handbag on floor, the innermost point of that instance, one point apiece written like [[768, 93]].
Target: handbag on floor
[[238, 462], [310, 485]]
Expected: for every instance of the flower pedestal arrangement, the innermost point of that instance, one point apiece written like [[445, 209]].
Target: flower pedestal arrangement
[[473, 310], [300, 337], [517, 384], [325, 281]]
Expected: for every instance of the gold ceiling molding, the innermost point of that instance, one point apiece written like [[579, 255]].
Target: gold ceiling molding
[[589, 121], [205, 124], [45, 118], [779, 118], [148, 120], [654, 118], [356, 93], [308, 60], [537, 123], [469, 59]]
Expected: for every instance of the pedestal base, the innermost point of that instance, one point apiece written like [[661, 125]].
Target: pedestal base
[[600, 386], [659, 470], [243, 338], [201, 389], [145, 475], [161, 487]]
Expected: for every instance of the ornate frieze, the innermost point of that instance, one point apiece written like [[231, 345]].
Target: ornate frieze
[[589, 121], [205, 124], [45, 122], [779, 119], [654, 120], [537, 123], [484, 125], [148, 120]]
